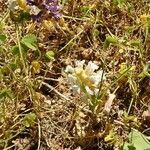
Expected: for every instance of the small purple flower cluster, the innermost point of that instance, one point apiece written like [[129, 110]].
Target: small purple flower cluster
[[49, 7]]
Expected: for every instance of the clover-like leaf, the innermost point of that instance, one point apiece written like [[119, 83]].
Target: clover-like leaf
[[30, 41], [50, 55], [137, 141], [2, 38], [110, 40], [5, 93], [29, 119]]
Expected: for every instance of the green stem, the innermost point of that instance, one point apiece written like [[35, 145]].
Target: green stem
[[20, 48], [130, 106], [113, 83]]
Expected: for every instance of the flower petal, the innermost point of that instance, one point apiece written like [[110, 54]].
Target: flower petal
[[69, 69], [34, 10], [76, 89], [89, 90], [91, 67], [98, 77], [80, 64]]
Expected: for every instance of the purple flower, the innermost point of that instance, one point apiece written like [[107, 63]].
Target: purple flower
[[30, 2], [51, 1], [49, 6], [53, 8], [37, 17], [57, 15]]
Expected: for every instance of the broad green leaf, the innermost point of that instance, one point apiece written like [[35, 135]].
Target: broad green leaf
[[2, 38], [23, 16], [50, 55], [95, 33], [86, 10], [30, 41], [137, 141], [15, 50], [29, 119], [5, 93], [119, 3], [110, 40], [5, 69], [133, 85], [145, 72], [135, 43], [13, 66]]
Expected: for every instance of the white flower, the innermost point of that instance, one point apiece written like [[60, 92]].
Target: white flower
[[85, 76], [80, 64], [12, 5], [98, 77], [76, 89], [91, 67], [69, 69], [89, 90], [72, 79], [34, 10], [96, 91]]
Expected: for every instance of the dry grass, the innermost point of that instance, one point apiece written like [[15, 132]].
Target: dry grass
[[63, 121]]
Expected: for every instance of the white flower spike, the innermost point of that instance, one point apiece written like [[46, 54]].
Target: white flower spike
[[87, 76]]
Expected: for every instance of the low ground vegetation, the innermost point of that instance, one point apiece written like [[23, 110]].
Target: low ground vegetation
[[75, 75]]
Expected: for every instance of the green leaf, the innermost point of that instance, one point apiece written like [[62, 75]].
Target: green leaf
[[23, 16], [5, 70], [110, 40], [29, 120], [5, 93], [30, 41], [95, 33], [2, 38], [13, 66], [15, 50], [145, 72], [137, 141], [50, 55], [86, 10], [119, 3], [135, 43]]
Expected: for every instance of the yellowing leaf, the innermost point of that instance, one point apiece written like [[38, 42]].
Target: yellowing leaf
[[22, 4], [49, 25], [29, 119], [111, 137], [36, 66], [144, 18]]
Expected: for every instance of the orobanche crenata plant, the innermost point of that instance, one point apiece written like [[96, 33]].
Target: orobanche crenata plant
[[86, 79]]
